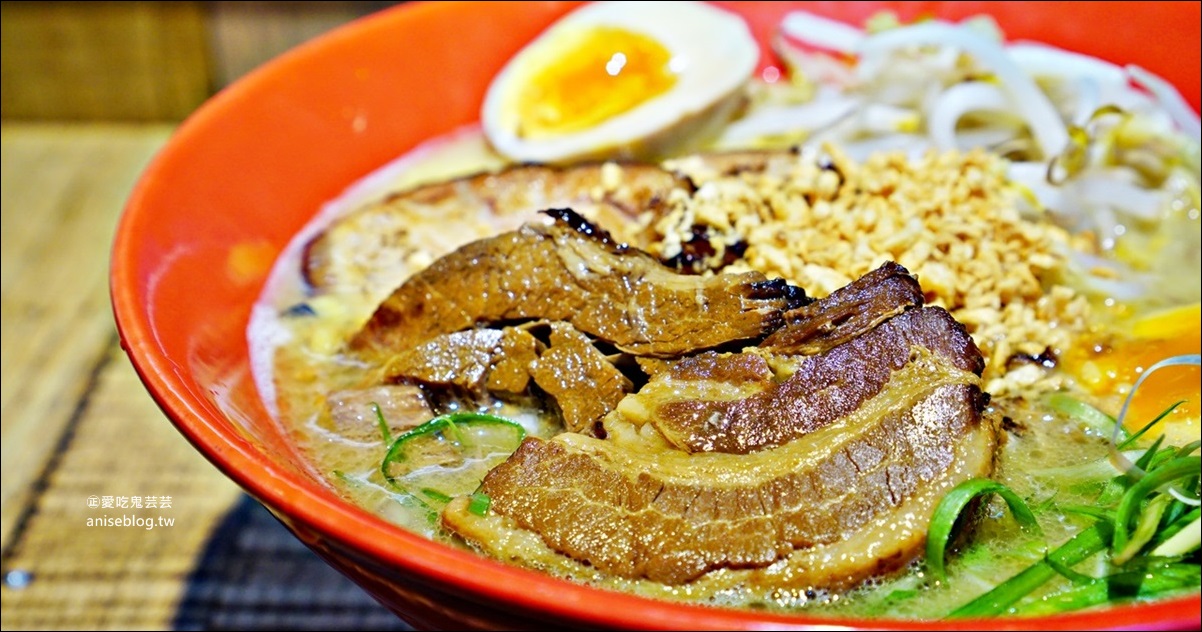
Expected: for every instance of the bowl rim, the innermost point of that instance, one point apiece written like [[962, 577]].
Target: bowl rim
[[298, 500]]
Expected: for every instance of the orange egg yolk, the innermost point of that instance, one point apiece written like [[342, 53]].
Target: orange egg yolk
[[1115, 368], [603, 72]]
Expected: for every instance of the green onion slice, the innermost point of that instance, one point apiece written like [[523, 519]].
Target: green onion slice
[[1090, 416], [998, 600], [449, 455], [1131, 505], [385, 431], [944, 520], [479, 503], [1148, 426], [1120, 461]]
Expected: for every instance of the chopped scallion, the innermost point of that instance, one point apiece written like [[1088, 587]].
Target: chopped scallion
[[1130, 506], [449, 455], [1076, 409], [435, 495], [479, 503], [1004, 595], [1188, 538], [948, 512], [385, 430]]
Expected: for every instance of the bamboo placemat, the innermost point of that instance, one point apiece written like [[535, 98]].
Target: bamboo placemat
[[111, 519], [254, 575], [210, 559]]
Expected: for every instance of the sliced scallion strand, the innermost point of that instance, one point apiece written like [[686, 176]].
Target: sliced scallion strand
[[1132, 502], [479, 503], [449, 423], [1145, 528], [436, 496], [1097, 513], [1068, 573], [385, 430], [1175, 522], [1148, 426], [943, 521], [1083, 412], [1116, 456], [1145, 583], [1145, 460], [1186, 539], [998, 600]]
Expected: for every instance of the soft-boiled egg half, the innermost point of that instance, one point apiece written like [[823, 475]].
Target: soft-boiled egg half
[[621, 79]]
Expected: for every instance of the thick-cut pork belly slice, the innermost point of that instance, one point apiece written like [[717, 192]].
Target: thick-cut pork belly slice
[[573, 271], [741, 403], [583, 384], [847, 312], [368, 249], [842, 504]]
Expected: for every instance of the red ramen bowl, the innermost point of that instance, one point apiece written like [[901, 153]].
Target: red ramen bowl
[[253, 165]]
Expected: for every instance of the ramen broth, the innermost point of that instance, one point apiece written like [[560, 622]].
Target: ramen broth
[[303, 365], [1047, 456]]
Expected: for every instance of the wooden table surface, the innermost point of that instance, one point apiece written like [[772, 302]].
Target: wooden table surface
[[82, 440]]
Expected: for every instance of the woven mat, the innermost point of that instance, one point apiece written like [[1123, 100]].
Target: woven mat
[[255, 575], [211, 559]]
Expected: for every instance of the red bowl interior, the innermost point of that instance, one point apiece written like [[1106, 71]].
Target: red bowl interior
[[252, 166]]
